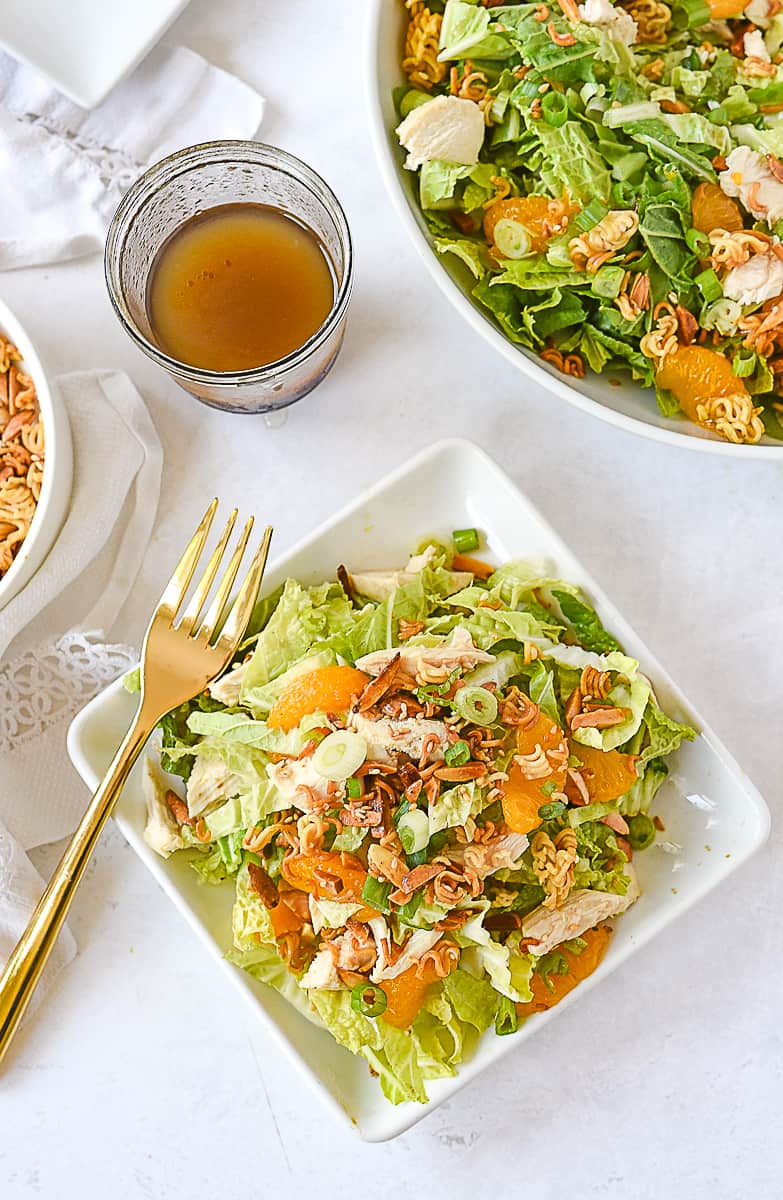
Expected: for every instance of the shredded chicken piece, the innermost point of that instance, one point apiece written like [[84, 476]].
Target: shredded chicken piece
[[355, 949], [764, 329], [299, 784], [387, 737], [731, 250], [497, 854], [227, 689], [582, 909], [430, 664], [419, 943], [161, 832]]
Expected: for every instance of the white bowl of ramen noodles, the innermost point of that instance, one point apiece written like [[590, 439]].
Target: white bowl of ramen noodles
[[35, 459]]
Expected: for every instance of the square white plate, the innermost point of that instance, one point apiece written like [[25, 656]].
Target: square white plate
[[84, 47], [452, 485]]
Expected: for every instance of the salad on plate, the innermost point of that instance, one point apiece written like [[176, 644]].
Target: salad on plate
[[611, 176], [426, 786]]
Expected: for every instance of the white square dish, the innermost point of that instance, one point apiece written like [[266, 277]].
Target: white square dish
[[453, 484], [84, 47]]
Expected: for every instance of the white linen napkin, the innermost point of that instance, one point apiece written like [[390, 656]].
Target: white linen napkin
[[63, 169], [20, 888], [58, 624]]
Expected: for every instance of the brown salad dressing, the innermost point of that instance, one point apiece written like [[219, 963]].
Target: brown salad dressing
[[238, 287]]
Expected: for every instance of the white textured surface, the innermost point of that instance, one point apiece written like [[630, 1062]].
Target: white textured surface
[[140, 1078]]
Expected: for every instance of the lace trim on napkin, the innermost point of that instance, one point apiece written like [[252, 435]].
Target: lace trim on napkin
[[115, 167], [51, 683]]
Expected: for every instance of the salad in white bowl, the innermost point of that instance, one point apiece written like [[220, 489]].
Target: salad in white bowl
[[609, 180], [428, 785]]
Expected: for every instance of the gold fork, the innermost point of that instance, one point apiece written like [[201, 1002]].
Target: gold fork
[[177, 663]]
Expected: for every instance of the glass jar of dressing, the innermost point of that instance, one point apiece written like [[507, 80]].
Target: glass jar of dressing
[[230, 265]]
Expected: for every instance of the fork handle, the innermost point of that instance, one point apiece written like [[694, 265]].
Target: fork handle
[[29, 957]]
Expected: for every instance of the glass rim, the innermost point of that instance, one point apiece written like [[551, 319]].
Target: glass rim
[[160, 174]]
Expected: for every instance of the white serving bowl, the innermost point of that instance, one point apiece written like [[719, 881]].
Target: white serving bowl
[[627, 406], [708, 799], [58, 466]]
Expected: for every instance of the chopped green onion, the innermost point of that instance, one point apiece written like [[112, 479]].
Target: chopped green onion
[[339, 754], [718, 116], [368, 999], [401, 810], [641, 832], [608, 281], [433, 691], [591, 812], [549, 812], [698, 242], [528, 87], [409, 910], [458, 754], [709, 285], [743, 364], [466, 540], [414, 830], [375, 893], [624, 194], [696, 12], [353, 788], [506, 1019], [549, 787], [554, 107], [512, 239], [417, 858], [590, 215], [412, 99], [475, 704]]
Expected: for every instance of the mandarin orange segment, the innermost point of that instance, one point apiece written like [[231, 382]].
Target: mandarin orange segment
[[712, 209], [405, 995], [724, 10], [534, 212], [328, 689], [522, 797], [284, 919], [579, 967], [607, 774], [544, 732], [326, 874], [694, 374]]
